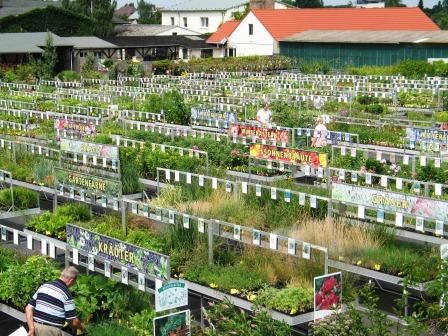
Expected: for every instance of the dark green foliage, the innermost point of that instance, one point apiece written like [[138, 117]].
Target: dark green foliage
[[23, 198], [57, 20], [148, 13], [375, 108], [309, 3], [176, 111], [69, 76]]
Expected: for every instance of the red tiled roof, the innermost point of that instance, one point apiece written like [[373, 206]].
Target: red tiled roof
[[285, 22], [223, 32]]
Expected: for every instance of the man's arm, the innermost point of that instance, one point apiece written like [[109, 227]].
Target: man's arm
[[76, 324], [29, 312]]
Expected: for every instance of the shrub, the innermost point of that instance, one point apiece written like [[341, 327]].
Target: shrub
[[375, 108], [23, 198], [69, 76]]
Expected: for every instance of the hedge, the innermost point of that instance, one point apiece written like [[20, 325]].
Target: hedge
[[57, 20]]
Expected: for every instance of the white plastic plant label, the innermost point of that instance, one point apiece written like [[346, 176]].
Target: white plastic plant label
[[188, 178], [201, 180], [399, 219], [256, 237], [141, 281], [107, 269], [29, 242], [437, 162], [342, 174], [361, 211], [91, 262], [384, 181], [75, 256], [186, 221], [176, 176], [353, 152], [201, 225], [258, 190], [273, 241], [16, 237], [52, 250], [287, 196], [343, 151], [237, 232], [406, 160], [244, 187], [124, 275], [167, 174], [301, 198], [104, 163], [439, 228], [43, 246], [379, 155], [307, 170], [419, 224], [273, 193], [3, 230], [438, 189], [313, 202], [214, 183], [291, 246], [423, 161], [368, 178], [399, 183], [306, 251]]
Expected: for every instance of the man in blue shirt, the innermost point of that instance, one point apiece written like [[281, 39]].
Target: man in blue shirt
[[52, 305]]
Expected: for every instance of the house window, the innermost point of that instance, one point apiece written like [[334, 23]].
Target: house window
[[82, 54], [231, 52], [185, 22], [251, 29], [204, 22], [184, 53], [174, 33], [205, 53], [172, 21], [97, 54]]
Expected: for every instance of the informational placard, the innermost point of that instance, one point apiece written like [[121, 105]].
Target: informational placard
[[327, 295], [250, 131], [130, 256], [288, 155], [79, 127], [90, 148], [390, 201], [176, 324], [172, 295], [91, 183], [427, 135]]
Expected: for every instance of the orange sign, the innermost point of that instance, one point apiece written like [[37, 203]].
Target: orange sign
[[288, 155]]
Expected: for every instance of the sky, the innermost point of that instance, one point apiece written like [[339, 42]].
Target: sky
[[411, 3]]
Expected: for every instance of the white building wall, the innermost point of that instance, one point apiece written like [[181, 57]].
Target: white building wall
[[215, 19], [260, 43], [178, 31]]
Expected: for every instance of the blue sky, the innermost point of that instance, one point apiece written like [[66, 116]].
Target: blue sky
[[427, 3]]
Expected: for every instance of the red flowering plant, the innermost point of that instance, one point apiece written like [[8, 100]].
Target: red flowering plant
[[328, 292]]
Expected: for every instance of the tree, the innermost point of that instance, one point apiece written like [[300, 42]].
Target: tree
[[101, 11], [147, 13], [309, 3], [393, 3], [46, 65], [420, 4], [239, 15]]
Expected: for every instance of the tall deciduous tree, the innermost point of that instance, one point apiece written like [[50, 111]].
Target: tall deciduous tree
[[392, 3], [147, 13], [101, 11], [49, 58], [420, 4], [309, 3]]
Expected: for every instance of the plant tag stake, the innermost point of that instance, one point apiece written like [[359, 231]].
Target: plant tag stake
[[52, 249], [273, 193], [75, 256], [291, 246], [104, 163], [307, 170], [201, 180], [439, 227], [107, 269], [313, 202], [419, 224], [438, 189], [186, 221], [3, 229], [342, 174], [353, 152], [273, 241], [244, 187], [43, 246], [256, 237], [368, 178], [91, 262], [287, 196], [145, 210], [378, 156], [361, 210], [354, 177], [258, 190], [16, 237], [343, 151], [29, 242], [320, 172], [171, 217], [214, 183], [423, 161], [141, 282], [176, 176], [301, 198], [406, 160], [306, 251], [201, 225], [228, 186], [437, 162], [167, 174], [384, 181], [399, 219], [124, 275], [399, 183], [188, 178], [380, 216], [237, 232]]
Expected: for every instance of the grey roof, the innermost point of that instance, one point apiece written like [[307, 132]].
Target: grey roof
[[89, 42], [205, 5], [16, 43], [24, 43], [146, 29], [369, 36], [16, 7]]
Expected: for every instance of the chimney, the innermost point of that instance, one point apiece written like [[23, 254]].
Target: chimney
[[262, 4]]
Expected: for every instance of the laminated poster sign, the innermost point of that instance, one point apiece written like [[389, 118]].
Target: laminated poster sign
[[132, 257], [239, 131], [77, 126], [89, 148], [390, 201], [176, 324], [327, 294], [172, 295], [427, 135], [288, 155], [90, 183]]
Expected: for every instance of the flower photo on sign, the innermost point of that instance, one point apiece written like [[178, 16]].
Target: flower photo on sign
[[327, 294]]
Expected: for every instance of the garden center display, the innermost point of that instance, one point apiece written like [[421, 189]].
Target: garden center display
[[187, 217]]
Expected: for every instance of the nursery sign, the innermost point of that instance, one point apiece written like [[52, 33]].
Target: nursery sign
[[288, 155], [427, 135], [149, 262], [176, 324], [91, 183], [390, 201], [240, 131], [90, 148], [172, 295], [327, 294], [75, 126]]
